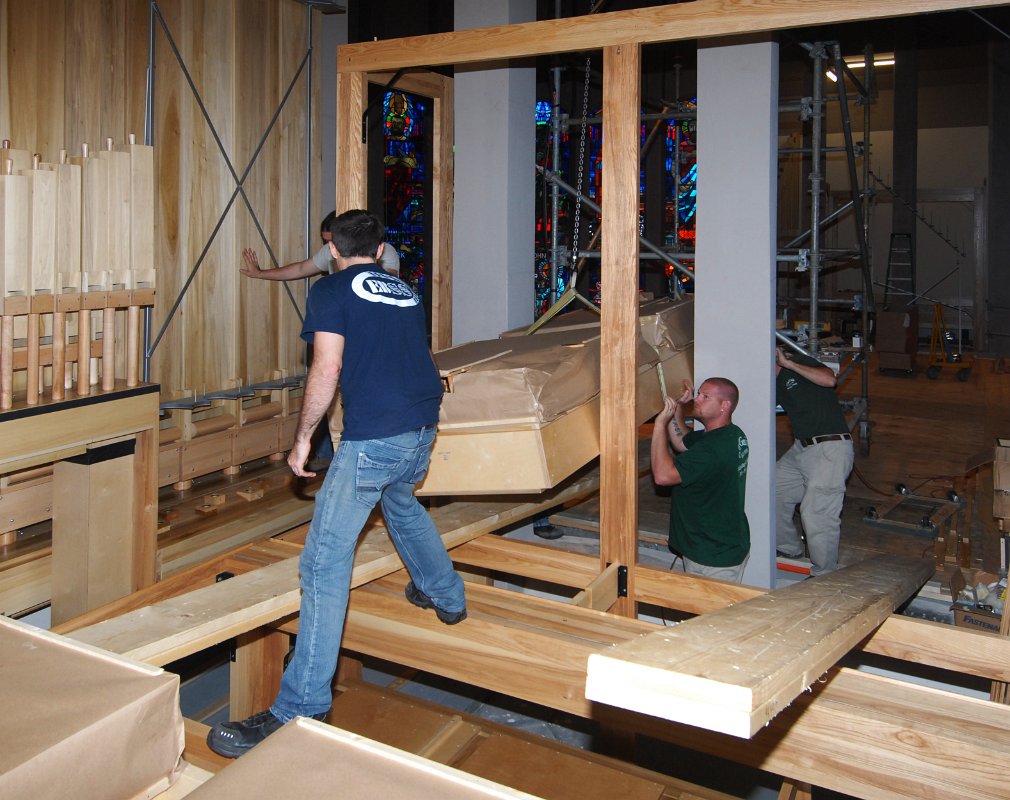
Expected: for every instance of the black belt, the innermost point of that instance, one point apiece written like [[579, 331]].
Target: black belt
[[830, 437]]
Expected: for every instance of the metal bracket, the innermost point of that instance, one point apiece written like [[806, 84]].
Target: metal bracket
[[622, 581]]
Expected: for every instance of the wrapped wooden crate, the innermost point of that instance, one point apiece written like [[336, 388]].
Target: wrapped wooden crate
[[84, 723], [522, 413]]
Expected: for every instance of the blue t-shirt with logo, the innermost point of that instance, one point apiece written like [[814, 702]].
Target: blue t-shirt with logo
[[388, 381]]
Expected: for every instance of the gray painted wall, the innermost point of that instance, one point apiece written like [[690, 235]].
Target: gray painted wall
[[735, 288], [494, 202]]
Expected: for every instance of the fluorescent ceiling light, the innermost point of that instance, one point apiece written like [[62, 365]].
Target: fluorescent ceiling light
[[857, 62]]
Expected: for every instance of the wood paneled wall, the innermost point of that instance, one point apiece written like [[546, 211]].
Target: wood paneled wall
[[75, 71]]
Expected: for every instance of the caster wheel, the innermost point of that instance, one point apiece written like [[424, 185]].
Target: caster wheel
[[933, 373], [900, 488], [964, 374]]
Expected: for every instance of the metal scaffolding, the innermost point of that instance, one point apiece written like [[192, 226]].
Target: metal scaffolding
[[806, 252]]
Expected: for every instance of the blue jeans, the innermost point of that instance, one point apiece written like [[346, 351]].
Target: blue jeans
[[362, 474]]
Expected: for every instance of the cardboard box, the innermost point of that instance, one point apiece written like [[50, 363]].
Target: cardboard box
[[307, 759], [977, 619], [897, 331], [84, 723]]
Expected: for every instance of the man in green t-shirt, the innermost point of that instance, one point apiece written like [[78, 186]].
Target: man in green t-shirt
[[708, 472], [813, 471]]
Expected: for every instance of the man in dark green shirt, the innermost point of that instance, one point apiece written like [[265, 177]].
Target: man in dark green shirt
[[814, 470], [708, 472]]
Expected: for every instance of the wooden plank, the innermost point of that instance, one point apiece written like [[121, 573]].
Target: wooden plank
[[602, 592], [774, 646], [619, 325], [255, 675], [43, 438], [685, 21], [178, 626], [352, 178], [871, 737]]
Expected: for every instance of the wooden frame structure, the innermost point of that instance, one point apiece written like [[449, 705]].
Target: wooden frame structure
[[621, 36], [926, 743]]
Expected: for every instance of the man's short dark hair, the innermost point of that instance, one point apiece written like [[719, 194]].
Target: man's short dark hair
[[727, 391], [357, 233], [324, 226]]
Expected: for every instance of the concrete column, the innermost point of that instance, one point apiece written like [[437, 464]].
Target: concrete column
[[494, 197], [735, 287]]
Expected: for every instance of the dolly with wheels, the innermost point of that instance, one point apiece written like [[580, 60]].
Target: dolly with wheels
[[941, 350]]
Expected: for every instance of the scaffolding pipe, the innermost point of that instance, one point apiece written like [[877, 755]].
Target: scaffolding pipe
[[851, 162], [551, 176], [816, 184]]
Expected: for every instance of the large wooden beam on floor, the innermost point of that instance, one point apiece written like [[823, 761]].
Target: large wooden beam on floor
[[734, 669], [696, 20]]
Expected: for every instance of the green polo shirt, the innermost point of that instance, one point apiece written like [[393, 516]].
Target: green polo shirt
[[813, 410], [707, 519]]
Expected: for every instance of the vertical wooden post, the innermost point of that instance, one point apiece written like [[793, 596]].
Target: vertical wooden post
[[109, 349], [352, 176], [256, 671], [133, 346], [6, 361], [32, 379], [145, 509], [84, 350], [441, 225], [619, 326], [59, 354]]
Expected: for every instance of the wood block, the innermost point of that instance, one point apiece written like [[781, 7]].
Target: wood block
[[15, 202], [141, 214], [205, 455], [118, 167], [206, 510], [250, 494], [258, 440], [95, 226], [217, 499], [42, 230], [68, 226], [169, 464]]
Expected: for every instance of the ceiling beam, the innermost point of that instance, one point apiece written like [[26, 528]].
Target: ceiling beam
[[701, 19]]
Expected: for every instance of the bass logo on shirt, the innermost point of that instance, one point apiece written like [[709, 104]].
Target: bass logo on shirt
[[381, 287]]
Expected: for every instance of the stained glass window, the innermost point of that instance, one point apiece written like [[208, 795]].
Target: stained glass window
[[405, 174], [681, 176], [542, 233]]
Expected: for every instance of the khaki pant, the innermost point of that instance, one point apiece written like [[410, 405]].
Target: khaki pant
[[813, 477]]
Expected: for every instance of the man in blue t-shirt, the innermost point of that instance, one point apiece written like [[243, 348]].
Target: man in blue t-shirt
[[708, 472], [368, 332]]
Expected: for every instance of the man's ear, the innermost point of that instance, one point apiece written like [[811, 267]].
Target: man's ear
[[378, 251], [333, 250]]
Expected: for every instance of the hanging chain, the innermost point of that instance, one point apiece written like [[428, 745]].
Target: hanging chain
[[582, 163]]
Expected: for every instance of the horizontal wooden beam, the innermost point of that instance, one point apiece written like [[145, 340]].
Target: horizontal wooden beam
[[853, 732], [701, 19], [178, 626], [734, 669], [918, 641]]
